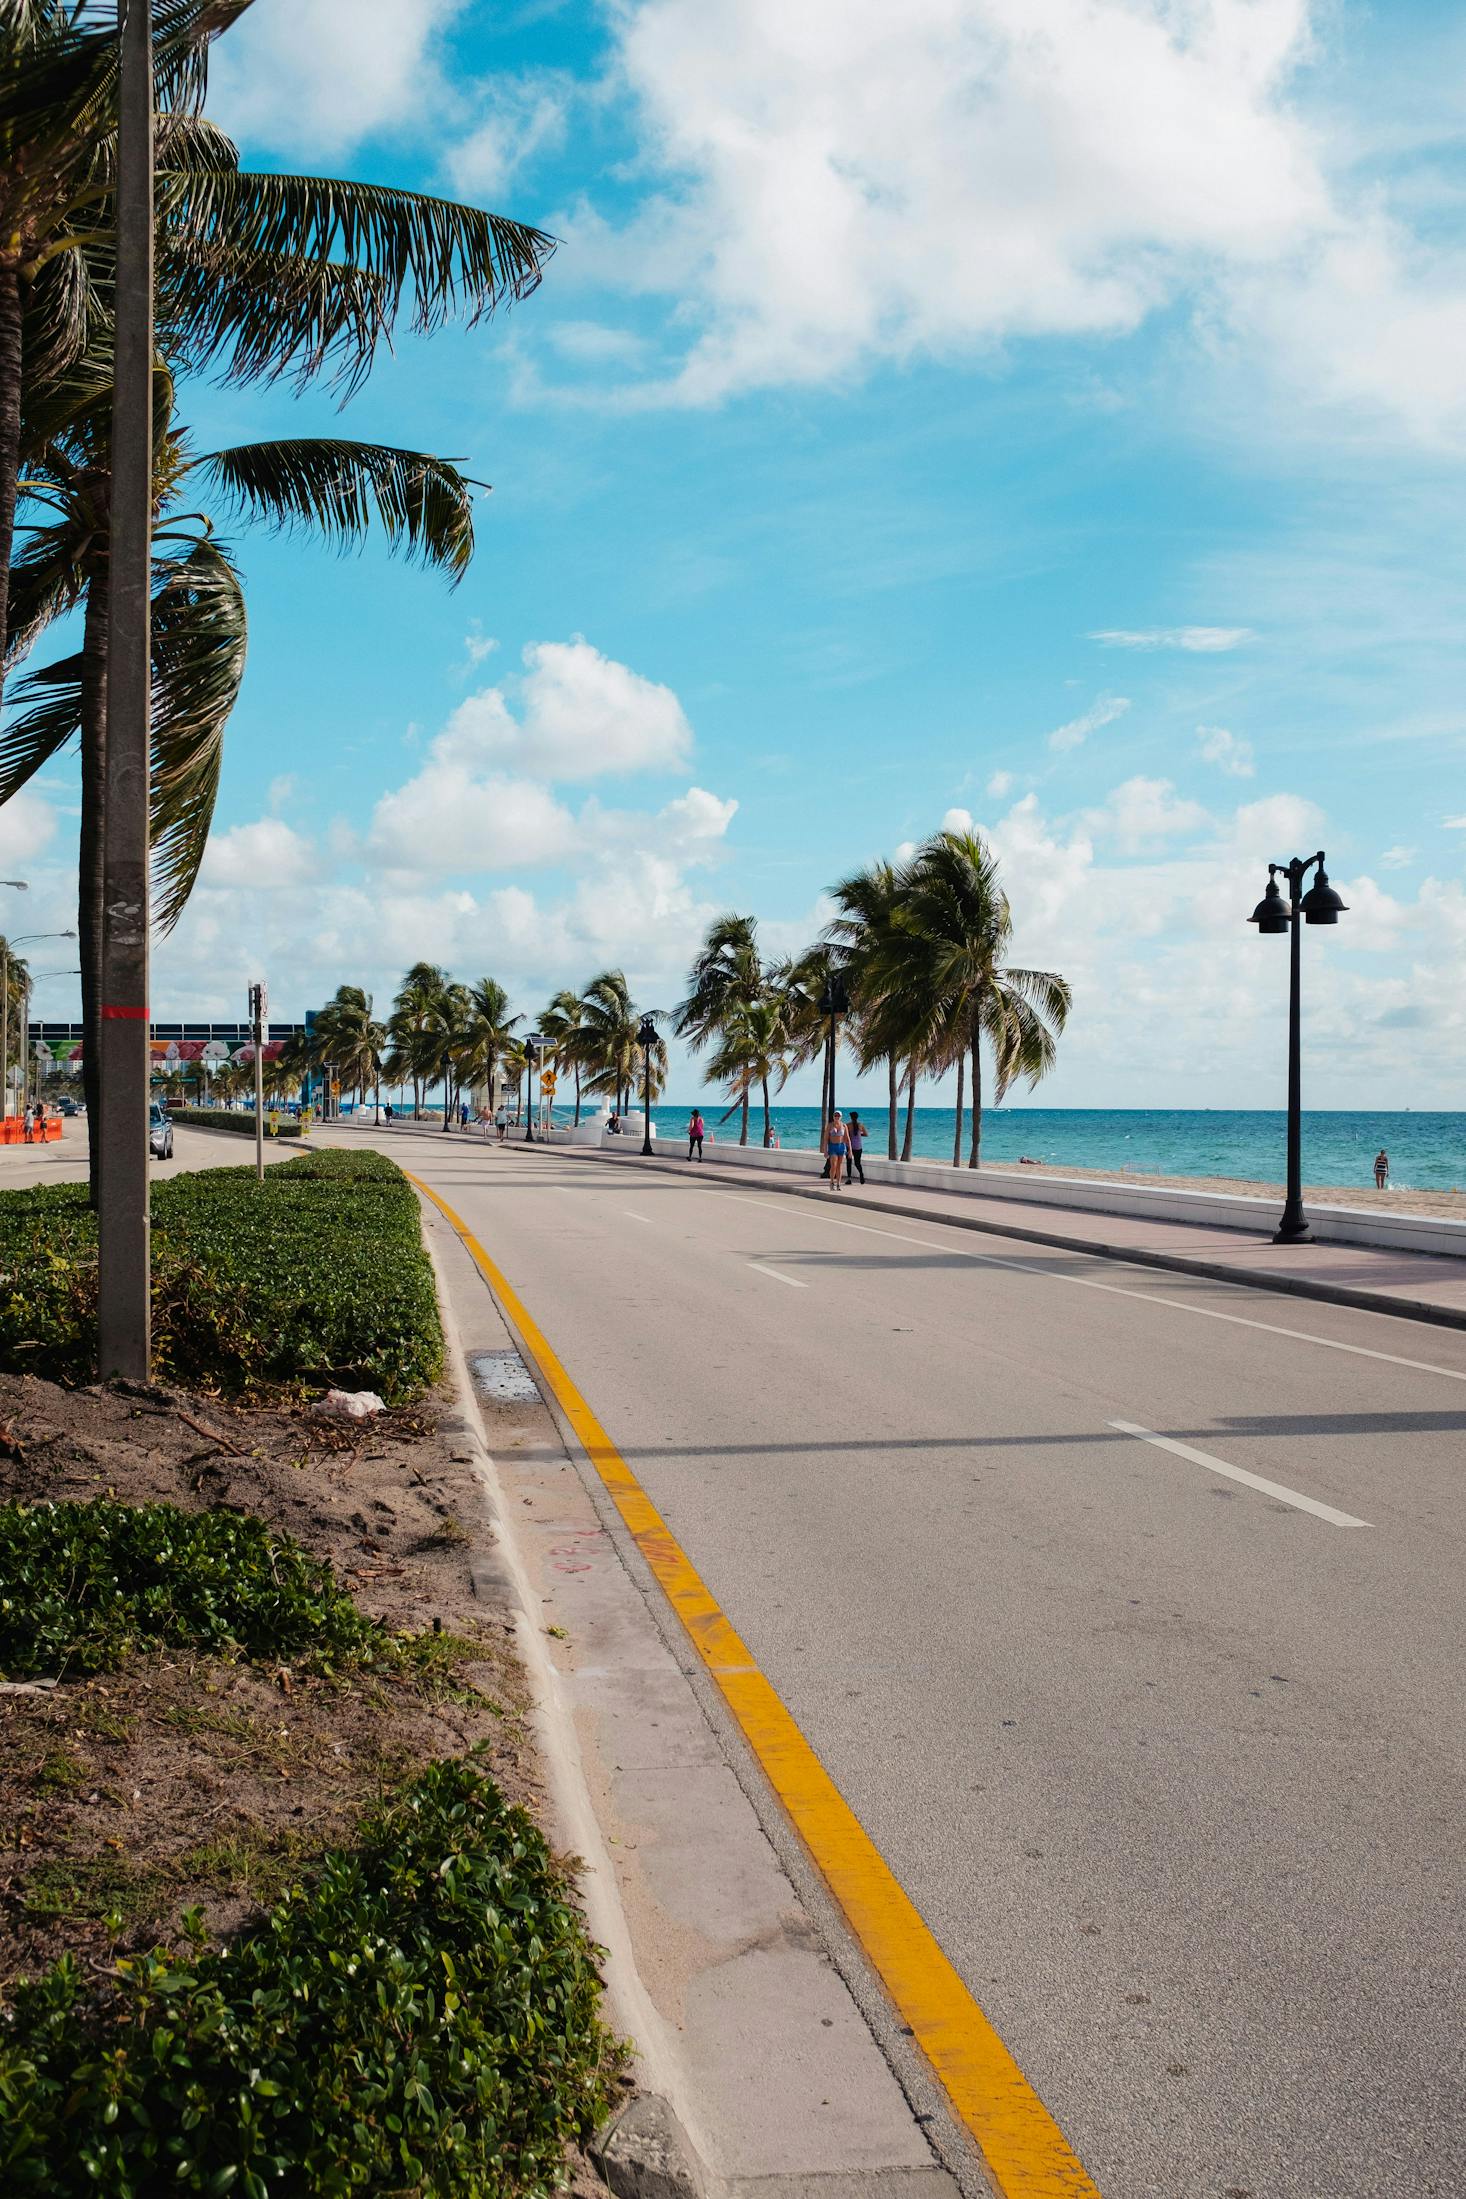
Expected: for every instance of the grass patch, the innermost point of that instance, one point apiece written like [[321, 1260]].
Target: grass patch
[[420, 2018], [98, 1890], [316, 1276], [82, 1584]]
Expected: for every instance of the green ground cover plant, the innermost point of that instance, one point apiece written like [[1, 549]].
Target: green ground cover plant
[[419, 2017], [83, 1584], [316, 1276]]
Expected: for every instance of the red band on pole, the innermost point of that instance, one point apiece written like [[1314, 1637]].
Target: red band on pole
[[129, 1015]]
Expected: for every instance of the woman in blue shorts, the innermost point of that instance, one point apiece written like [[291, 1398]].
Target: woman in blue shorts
[[837, 1145]]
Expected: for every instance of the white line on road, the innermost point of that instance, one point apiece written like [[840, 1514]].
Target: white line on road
[[1115, 1290], [632, 1215], [1299, 1502], [775, 1277]]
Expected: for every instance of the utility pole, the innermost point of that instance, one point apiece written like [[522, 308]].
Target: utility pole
[[124, 1314], [259, 1007]]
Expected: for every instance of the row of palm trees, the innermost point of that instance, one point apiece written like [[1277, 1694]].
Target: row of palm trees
[[259, 277], [912, 977], [454, 1038]]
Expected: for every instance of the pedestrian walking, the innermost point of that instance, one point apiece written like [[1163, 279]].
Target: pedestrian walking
[[857, 1147], [696, 1129], [1381, 1170], [501, 1121], [837, 1145], [463, 1114], [387, 1109]]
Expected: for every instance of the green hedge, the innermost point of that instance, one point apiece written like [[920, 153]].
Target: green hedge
[[420, 2019], [317, 1275], [81, 1584], [228, 1118]]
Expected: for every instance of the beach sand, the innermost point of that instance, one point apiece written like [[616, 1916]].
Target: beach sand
[[1449, 1203]]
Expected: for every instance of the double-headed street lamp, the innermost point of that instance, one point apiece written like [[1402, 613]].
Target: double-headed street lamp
[[834, 1002], [532, 1046], [1320, 905], [646, 1039]]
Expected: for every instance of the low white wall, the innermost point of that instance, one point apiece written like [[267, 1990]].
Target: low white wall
[[1219, 1210]]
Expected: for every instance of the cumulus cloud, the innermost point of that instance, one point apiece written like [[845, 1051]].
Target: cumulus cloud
[[266, 853], [999, 784], [317, 76], [580, 715], [519, 118], [1198, 640], [27, 824], [1397, 858], [1077, 731], [1144, 812], [1226, 751], [446, 820]]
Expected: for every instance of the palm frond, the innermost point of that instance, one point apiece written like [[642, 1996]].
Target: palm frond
[[200, 634], [270, 316], [49, 716], [339, 488]]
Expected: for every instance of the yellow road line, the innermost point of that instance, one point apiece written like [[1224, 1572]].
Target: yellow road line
[[1025, 2150]]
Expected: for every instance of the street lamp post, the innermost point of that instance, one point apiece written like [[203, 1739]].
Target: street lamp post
[[26, 939], [1274, 915], [834, 1002], [531, 1046], [646, 1039]]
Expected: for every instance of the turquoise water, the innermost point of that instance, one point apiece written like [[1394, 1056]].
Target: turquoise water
[[1427, 1151]]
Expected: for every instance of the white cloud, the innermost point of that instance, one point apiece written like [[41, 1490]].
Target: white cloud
[[1454, 824], [581, 715], [446, 820], [1398, 858], [958, 820], [520, 118], [316, 76], [1229, 753], [266, 853], [1199, 640], [1142, 813], [999, 784], [964, 171], [592, 343], [282, 790], [1078, 730], [27, 822]]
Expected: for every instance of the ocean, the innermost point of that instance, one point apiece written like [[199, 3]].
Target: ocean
[[1427, 1151]]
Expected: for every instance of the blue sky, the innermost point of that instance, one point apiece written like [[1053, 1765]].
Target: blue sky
[[1044, 411]]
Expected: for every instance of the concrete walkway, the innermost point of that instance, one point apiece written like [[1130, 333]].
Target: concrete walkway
[[1416, 1285]]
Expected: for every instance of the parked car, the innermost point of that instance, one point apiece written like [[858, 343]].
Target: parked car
[[160, 1133]]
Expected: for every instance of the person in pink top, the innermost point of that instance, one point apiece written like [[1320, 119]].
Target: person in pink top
[[695, 1131]]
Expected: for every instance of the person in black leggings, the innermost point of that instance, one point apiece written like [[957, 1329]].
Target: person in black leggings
[[857, 1146], [695, 1133]]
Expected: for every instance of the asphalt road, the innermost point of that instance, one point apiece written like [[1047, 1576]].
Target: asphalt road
[[1171, 1763]]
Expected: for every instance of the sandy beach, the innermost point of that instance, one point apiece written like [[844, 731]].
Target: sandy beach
[[1449, 1203]]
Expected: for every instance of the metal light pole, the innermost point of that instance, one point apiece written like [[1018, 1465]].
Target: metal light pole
[[124, 1312], [834, 1002], [1274, 915], [259, 1006], [646, 1039], [531, 1045], [25, 939]]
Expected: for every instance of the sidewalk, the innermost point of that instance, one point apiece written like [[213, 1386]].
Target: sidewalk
[[1417, 1286]]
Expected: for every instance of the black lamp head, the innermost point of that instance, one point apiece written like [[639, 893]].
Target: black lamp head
[[835, 999], [647, 1034], [1321, 904], [1273, 913]]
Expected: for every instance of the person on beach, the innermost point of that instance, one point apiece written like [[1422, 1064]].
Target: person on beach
[[1381, 1169], [696, 1129], [857, 1147], [837, 1145]]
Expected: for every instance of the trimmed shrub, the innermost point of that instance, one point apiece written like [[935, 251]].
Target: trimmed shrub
[[81, 1584], [228, 1118], [317, 1275], [420, 2019]]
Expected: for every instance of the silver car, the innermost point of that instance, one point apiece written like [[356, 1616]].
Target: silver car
[[160, 1133]]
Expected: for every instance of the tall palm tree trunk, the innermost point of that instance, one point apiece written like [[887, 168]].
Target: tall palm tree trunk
[[974, 1158], [91, 868], [743, 1124], [957, 1140], [577, 1092], [768, 1126], [910, 1110], [10, 365], [891, 1095]]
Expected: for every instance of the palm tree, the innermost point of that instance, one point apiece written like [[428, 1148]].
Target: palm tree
[[725, 980], [487, 1036], [258, 275], [446, 1041], [407, 1027], [198, 614], [942, 954], [15, 979], [560, 1022], [349, 1041], [605, 1043], [752, 1047], [867, 901]]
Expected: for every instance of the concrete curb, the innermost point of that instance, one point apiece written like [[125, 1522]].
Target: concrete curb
[[1176, 1263], [643, 2153]]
